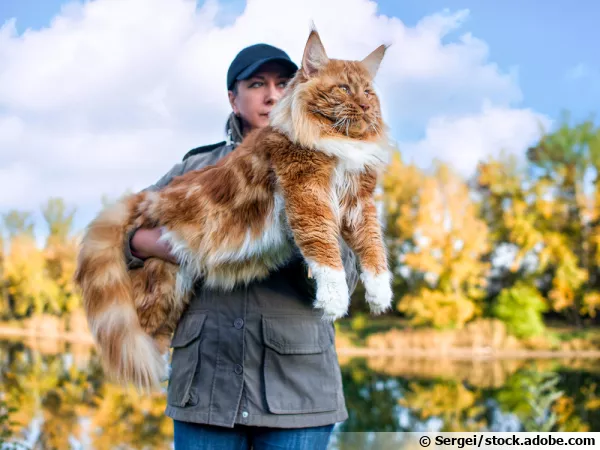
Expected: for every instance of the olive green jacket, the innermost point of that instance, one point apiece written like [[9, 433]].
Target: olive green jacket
[[259, 355]]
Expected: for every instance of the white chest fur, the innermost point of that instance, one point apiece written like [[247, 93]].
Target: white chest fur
[[344, 184], [353, 155], [353, 158]]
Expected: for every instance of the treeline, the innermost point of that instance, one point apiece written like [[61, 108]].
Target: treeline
[[518, 240]]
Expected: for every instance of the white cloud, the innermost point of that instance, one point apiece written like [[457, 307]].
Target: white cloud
[[464, 140], [113, 93]]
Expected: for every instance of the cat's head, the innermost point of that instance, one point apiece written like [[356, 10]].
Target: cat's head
[[330, 98]]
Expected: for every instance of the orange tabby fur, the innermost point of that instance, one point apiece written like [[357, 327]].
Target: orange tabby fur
[[305, 180]]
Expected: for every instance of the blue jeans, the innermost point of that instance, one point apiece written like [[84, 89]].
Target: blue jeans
[[192, 436]]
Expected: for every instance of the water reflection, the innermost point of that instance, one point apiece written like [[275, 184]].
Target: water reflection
[[53, 396]]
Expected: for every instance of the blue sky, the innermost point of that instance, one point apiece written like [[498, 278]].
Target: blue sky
[[546, 40], [552, 43]]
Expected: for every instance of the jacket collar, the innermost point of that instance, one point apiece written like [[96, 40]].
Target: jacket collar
[[234, 130]]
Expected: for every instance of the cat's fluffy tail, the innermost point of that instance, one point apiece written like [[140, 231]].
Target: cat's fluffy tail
[[128, 353]]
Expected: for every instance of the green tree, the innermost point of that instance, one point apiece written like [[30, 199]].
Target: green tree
[[564, 160], [521, 308]]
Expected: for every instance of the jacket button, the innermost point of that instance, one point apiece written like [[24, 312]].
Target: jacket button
[[238, 369], [238, 323]]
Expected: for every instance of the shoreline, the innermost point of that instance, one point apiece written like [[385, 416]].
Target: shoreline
[[468, 354], [456, 353], [79, 338]]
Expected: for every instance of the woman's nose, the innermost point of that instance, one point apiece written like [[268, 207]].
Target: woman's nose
[[272, 94]]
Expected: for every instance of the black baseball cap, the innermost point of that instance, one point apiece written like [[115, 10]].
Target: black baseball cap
[[248, 60]]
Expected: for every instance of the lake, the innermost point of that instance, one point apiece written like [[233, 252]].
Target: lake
[[53, 396]]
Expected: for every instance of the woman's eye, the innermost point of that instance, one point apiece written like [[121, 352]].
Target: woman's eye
[[256, 84]]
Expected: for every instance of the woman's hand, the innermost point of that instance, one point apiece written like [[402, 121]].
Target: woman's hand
[[145, 243]]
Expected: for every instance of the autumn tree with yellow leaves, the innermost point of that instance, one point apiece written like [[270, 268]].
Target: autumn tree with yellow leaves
[[547, 214], [437, 241], [38, 280]]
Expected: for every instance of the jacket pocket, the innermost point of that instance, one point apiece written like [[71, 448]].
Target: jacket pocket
[[185, 361], [300, 365]]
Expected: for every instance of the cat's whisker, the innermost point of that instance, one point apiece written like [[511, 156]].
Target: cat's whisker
[[376, 129], [337, 124]]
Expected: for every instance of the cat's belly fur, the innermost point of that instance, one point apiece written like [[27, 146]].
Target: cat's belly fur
[[226, 266], [255, 258]]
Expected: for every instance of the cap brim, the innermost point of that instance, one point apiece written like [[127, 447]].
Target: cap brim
[[251, 69]]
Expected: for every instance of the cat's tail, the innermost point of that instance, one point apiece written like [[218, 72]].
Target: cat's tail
[[128, 353]]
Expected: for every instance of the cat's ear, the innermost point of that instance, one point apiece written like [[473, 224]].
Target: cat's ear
[[373, 60], [314, 57]]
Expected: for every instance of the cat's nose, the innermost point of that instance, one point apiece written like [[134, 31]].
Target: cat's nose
[[365, 107]]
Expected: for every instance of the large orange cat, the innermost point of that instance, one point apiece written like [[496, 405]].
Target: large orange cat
[[301, 182]]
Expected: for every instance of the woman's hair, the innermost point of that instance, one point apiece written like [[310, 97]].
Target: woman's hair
[[233, 129], [234, 126]]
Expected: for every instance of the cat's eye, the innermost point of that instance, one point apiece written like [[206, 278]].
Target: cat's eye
[[345, 88]]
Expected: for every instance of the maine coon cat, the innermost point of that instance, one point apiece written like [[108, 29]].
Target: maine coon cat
[[302, 182]]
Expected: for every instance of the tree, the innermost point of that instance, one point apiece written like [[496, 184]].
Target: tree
[[18, 222], [58, 219], [521, 308], [546, 219], [439, 240], [563, 161], [4, 303], [60, 254]]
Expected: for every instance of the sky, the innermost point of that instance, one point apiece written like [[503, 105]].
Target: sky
[[104, 96]]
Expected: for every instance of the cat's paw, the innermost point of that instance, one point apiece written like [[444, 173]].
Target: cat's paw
[[332, 293], [379, 293]]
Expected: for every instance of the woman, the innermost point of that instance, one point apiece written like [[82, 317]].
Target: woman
[[256, 366]]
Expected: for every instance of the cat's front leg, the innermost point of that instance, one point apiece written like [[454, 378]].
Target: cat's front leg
[[363, 234], [332, 291], [315, 229]]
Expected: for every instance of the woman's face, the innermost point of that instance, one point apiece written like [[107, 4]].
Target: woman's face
[[257, 95]]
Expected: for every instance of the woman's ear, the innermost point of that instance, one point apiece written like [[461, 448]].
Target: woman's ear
[[232, 102]]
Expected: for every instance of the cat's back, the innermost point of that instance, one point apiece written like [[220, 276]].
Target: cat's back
[[267, 142]]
